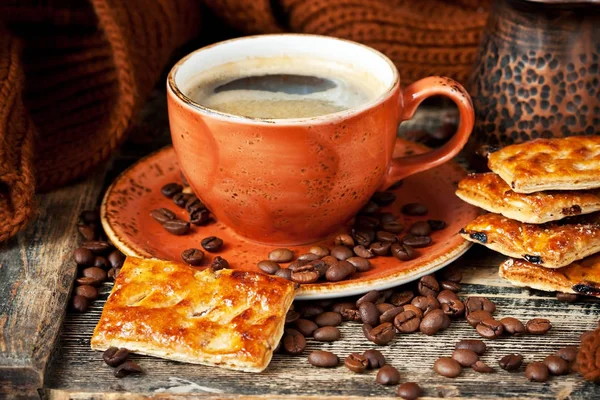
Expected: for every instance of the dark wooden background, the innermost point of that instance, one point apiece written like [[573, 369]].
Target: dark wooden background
[[40, 351]]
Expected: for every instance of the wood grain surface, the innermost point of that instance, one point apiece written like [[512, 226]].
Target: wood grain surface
[[35, 281], [79, 372]]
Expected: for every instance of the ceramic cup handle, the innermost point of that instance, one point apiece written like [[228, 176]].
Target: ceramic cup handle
[[411, 97]]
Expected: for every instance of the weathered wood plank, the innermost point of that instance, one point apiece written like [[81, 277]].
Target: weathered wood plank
[[36, 278], [79, 372]]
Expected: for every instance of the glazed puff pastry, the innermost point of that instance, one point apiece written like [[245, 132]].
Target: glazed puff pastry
[[571, 163], [491, 193], [580, 277], [228, 318], [551, 245]]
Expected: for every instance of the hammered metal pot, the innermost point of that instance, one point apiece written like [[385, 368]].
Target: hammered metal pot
[[537, 73]]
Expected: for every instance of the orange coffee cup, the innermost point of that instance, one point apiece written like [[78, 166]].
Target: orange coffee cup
[[293, 181]]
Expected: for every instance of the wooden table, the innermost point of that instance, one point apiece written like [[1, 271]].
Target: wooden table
[[45, 352]]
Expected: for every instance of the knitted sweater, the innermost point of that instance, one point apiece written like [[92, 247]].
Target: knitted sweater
[[73, 73]]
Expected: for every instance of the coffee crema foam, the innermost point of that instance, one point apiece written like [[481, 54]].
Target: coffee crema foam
[[283, 88]]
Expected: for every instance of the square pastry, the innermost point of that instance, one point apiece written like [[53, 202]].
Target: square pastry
[[580, 277], [571, 163], [227, 318], [551, 245], [491, 193]]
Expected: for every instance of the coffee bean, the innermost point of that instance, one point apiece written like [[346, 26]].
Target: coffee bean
[[362, 251], [344, 240], [294, 265], [436, 224], [451, 274], [428, 285], [402, 298], [537, 372], [319, 251], [556, 365], [538, 326], [418, 312], [328, 318], [370, 208], [387, 375], [116, 259], [479, 303], [568, 353], [407, 322], [127, 368], [370, 297], [392, 226], [291, 316], [445, 296], [308, 257], [476, 317], [567, 297], [403, 252], [432, 322], [281, 255], [448, 285], [305, 326], [482, 367], [368, 313], [375, 358], [326, 334], [380, 248], [87, 291], [284, 273], [426, 303], [384, 236], [99, 247], [383, 198], [386, 217], [340, 307], [414, 209], [341, 252], [113, 273], [87, 232], [389, 315], [465, 357], [339, 271], [416, 241], [356, 362], [194, 204], [268, 266], [212, 244], [361, 264], [80, 303], [512, 326], [382, 334], [200, 217], [329, 260], [446, 366], [366, 222], [383, 307], [180, 199], [420, 228], [305, 274], [114, 356], [177, 227], [101, 262], [83, 256], [163, 215], [366, 330], [453, 308], [293, 341], [96, 273], [363, 237], [475, 345], [171, 189], [323, 359], [409, 391], [89, 217], [490, 328], [219, 263], [192, 256]]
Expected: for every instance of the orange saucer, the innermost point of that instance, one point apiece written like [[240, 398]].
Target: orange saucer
[[126, 208]]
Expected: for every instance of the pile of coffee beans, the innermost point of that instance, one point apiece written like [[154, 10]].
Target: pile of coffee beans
[[117, 358], [97, 261], [374, 234]]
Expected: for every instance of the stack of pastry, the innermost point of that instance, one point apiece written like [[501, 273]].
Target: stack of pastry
[[544, 202]]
